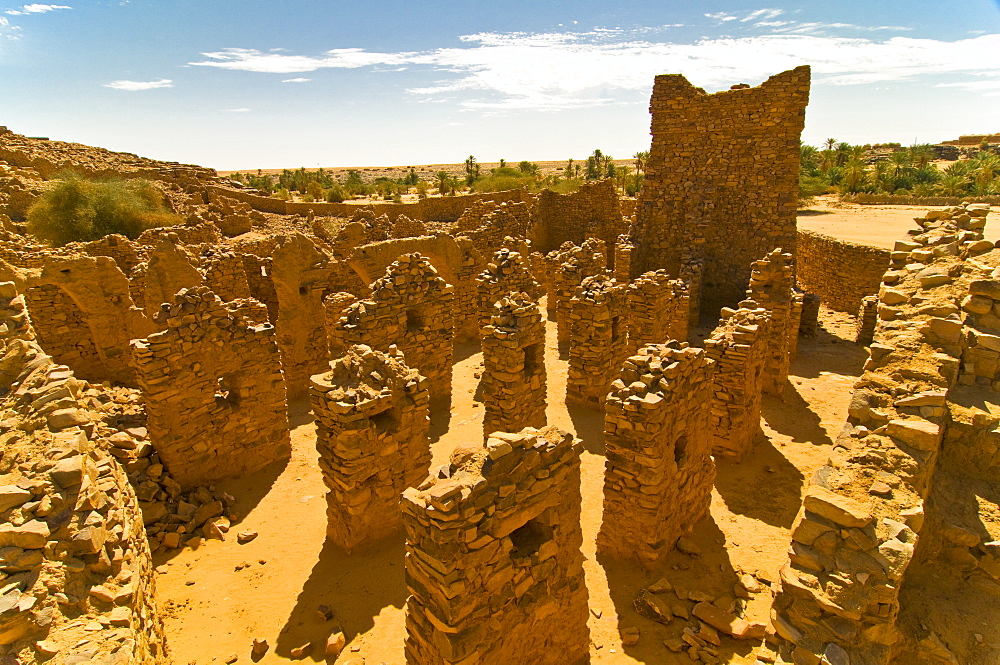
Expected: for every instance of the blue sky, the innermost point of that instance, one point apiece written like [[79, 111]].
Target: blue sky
[[260, 83]]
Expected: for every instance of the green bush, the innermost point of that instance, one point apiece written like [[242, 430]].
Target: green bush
[[78, 210]]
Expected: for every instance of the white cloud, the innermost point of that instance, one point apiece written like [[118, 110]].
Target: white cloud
[[296, 80], [242, 109], [140, 85], [8, 31], [556, 70], [762, 14], [35, 9]]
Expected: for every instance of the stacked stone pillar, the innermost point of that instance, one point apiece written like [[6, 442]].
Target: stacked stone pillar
[[506, 273], [599, 341], [771, 280], [372, 418], [658, 309], [739, 348], [659, 472], [513, 385], [493, 561], [571, 265]]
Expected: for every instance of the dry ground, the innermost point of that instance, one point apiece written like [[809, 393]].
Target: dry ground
[[216, 605]]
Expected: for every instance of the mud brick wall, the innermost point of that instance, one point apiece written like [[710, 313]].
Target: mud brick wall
[[599, 340], [841, 273], [658, 309], [372, 418], [299, 271], [62, 331], [865, 514], [739, 348], [513, 384], [168, 269], [771, 288], [258, 272], [493, 562], [411, 307], [570, 265], [213, 390], [225, 274], [722, 176], [93, 303], [506, 273], [71, 534], [659, 472], [592, 211]]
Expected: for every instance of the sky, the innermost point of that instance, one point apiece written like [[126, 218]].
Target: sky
[[243, 84]]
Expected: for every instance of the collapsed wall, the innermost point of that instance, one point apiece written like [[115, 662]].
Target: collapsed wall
[[506, 273], [659, 472], [513, 383], [213, 388], [493, 564], [739, 348], [863, 516], [411, 307], [372, 418], [722, 178], [599, 340], [72, 544]]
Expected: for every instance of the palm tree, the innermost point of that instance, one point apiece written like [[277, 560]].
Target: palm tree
[[855, 175], [922, 154], [953, 185], [829, 143], [984, 169], [641, 159]]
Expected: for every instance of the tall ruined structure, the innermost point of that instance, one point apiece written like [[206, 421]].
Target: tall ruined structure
[[722, 178]]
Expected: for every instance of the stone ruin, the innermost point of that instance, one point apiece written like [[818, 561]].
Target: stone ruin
[[199, 340], [493, 565], [372, 418], [739, 348], [409, 307], [659, 470], [213, 389], [598, 342], [513, 384]]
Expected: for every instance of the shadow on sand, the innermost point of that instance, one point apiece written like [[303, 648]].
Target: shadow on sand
[[764, 485], [355, 587]]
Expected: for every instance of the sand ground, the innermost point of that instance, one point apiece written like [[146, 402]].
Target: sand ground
[[220, 597]]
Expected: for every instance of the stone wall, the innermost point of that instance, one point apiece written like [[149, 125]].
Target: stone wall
[[739, 348], [659, 472], [213, 390], [658, 309], [590, 212], [867, 319], [411, 307], [225, 274], [722, 177], [493, 564], [299, 272], [599, 339], [840, 272], [513, 384], [488, 223], [771, 288], [72, 542], [371, 433], [863, 516]]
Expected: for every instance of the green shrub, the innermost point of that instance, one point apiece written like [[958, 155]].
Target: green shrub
[[78, 210], [336, 194], [813, 186]]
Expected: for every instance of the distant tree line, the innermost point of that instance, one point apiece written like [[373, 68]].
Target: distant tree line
[[893, 169]]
